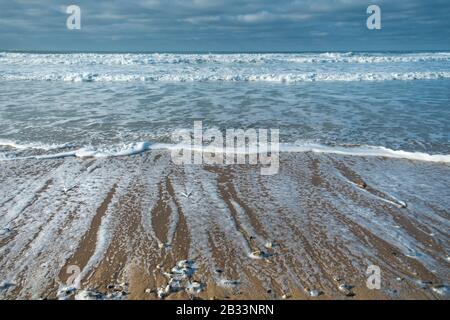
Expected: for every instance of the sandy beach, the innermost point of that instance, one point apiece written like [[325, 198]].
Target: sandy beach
[[258, 152], [141, 227]]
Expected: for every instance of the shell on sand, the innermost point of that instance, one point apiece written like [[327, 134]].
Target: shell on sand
[[314, 293], [361, 184], [163, 292], [402, 204], [194, 287], [258, 254], [269, 245], [179, 279]]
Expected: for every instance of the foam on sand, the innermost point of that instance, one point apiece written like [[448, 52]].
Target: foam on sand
[[141, 147], [40, 146], [232, 211], [366, 151]]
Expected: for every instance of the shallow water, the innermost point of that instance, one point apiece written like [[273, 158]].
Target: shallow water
[[107, 113], [82, 135]]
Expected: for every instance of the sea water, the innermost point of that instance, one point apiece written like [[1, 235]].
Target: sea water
[[107, 104]]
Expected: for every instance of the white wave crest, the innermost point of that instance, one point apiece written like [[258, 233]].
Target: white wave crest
[[141, 147], [229, 77], [366, 151], [40, 146], [129, 59]]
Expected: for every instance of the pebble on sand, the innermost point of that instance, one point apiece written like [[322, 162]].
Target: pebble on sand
[[346, 289]]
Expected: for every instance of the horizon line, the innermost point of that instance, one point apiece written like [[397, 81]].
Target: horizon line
[[215, 51]]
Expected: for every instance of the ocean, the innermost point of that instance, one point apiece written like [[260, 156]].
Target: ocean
[[85, 179], [110, 101]]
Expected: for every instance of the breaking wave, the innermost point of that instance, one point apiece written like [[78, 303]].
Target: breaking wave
[[241, 58], [212, 77], [141, 147], [250, 67], [39, 146]]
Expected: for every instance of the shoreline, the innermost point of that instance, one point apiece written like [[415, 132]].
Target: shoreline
[[128, 223]]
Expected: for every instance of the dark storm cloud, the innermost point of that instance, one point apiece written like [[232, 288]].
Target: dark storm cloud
[[206, 25]]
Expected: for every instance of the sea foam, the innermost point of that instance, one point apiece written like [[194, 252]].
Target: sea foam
[[251, 67], [124, 59], [141, 147], [207, 76]]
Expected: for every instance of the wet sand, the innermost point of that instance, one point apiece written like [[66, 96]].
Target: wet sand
[[126, 223]]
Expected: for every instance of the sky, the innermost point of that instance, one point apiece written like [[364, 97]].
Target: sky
[[224, 25]]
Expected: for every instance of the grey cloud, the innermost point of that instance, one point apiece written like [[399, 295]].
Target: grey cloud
[[235, 25]]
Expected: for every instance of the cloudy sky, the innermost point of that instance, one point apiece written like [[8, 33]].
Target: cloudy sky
[[224, 25]]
